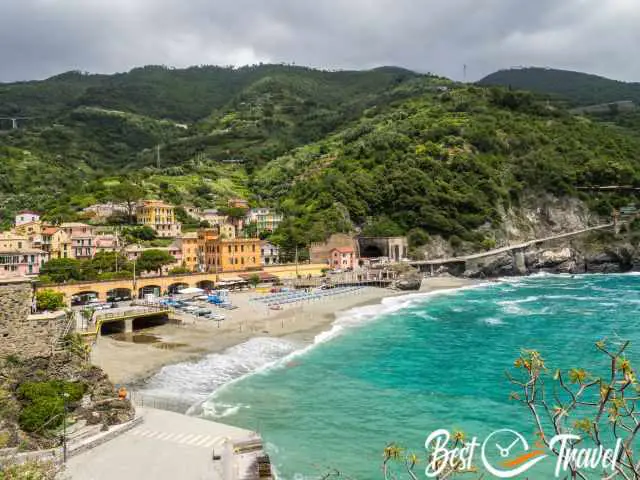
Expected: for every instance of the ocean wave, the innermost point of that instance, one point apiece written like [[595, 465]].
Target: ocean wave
[[200, 382], [193, 382], [492, 321]]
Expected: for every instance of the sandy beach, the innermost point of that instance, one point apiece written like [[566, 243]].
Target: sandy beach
[[128, 362]]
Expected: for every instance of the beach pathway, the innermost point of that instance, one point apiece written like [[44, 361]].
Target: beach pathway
[[166, 445]]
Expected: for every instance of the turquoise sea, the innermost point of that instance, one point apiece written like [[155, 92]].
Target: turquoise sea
[[414, 364]]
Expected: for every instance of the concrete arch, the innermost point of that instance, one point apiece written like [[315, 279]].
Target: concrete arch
[[84, 296], [206, 284], [149, 290], [119, 293], [174, 287]]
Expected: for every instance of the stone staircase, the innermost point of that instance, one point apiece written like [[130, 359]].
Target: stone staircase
[[59, 343]]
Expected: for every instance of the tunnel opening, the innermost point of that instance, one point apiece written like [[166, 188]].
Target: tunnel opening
[[112, 328], [372, 251], [206, 285], [119, 294], [174, 288], [149, 322]]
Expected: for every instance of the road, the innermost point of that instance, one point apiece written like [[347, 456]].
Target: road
[[166, 446], [509, 248]]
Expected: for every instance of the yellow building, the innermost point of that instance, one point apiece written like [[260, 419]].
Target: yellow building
[[160, 216], [218, 254], [189, 244], [13, 241], [57, 243]]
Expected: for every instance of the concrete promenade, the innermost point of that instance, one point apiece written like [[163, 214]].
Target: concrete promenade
[[165, 446]]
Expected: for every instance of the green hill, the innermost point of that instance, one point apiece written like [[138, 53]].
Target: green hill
[[445, 162], [385, 150], [580, 89]]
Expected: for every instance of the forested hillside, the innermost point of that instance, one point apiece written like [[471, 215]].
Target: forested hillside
[[387, 151], [443, 162], [579, 89]]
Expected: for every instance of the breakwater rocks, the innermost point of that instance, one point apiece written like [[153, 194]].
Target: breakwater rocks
[[573, 260]]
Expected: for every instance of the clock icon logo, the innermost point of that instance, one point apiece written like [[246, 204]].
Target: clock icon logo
[[513, 452]]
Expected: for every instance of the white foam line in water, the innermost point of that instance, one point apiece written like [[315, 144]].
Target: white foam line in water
[[345, 320]]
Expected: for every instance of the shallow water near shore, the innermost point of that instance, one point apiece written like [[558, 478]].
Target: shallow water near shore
[[400, 370]]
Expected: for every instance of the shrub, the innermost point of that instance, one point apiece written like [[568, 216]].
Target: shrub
[[417, 237], [49, 300], [44, 404], [455, 241], [46, 412]]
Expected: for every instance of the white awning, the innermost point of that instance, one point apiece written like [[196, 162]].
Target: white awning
[[189, 291]]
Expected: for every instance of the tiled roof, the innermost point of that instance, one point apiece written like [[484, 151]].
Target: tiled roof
[[343, 249]]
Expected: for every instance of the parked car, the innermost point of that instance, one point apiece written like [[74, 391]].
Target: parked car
[[215, 316], [190, 309], [202, 312]]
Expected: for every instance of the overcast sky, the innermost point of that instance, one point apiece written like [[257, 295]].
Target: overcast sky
[[40, 38]]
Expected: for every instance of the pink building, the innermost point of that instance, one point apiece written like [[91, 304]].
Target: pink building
[[21, 262], [26, 216], [342, 257], [175, 249], [82, 239], [107, 243]]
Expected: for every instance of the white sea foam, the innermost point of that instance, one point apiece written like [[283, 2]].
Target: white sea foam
[[492, 321], [194, 381], [200, 382]]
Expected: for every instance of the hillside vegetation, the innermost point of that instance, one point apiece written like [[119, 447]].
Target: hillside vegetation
[[444, 162], [385, 151], [579, 89]]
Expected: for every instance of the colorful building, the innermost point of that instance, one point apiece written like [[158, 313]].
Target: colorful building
[[227, 255], [265, 219], [103, 211], [26, 216], [342, 257], [82, 236], [56, 243], [237, 203], [189, 245], [213, 216], [13, 241], [21, 262], [269, 253], [107, 243], [160, 216]]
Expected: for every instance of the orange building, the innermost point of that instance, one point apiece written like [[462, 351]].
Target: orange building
[[189, 244], [218, 254]]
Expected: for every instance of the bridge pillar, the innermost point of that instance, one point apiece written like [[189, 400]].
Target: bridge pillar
[[519, 265], [128, 325]]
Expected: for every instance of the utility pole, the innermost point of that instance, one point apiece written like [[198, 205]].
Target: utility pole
[[117, 250], [135, 290], [296, 260], [65, 395]]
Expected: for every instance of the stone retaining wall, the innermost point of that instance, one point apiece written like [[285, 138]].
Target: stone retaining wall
[[22, 334]]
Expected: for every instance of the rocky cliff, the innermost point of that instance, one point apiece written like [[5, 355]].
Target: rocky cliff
[[596, 253]]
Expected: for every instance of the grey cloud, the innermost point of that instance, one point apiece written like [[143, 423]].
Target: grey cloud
[[39, 38]]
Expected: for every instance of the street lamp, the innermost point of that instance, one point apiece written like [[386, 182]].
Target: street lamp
[[65, 396]]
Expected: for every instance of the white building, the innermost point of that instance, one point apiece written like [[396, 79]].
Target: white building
[[26, 216], [269, 253]]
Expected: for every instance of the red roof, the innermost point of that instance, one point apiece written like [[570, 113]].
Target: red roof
[[49, 230], [342, 249], [29, 212]]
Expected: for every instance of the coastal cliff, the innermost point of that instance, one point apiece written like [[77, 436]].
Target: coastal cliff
[[540, 217]]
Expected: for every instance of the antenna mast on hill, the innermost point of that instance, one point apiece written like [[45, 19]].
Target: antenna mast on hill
[[464, 72], [158, 156]]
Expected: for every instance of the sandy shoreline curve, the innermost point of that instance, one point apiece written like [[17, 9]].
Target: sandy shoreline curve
[[131, 363]]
